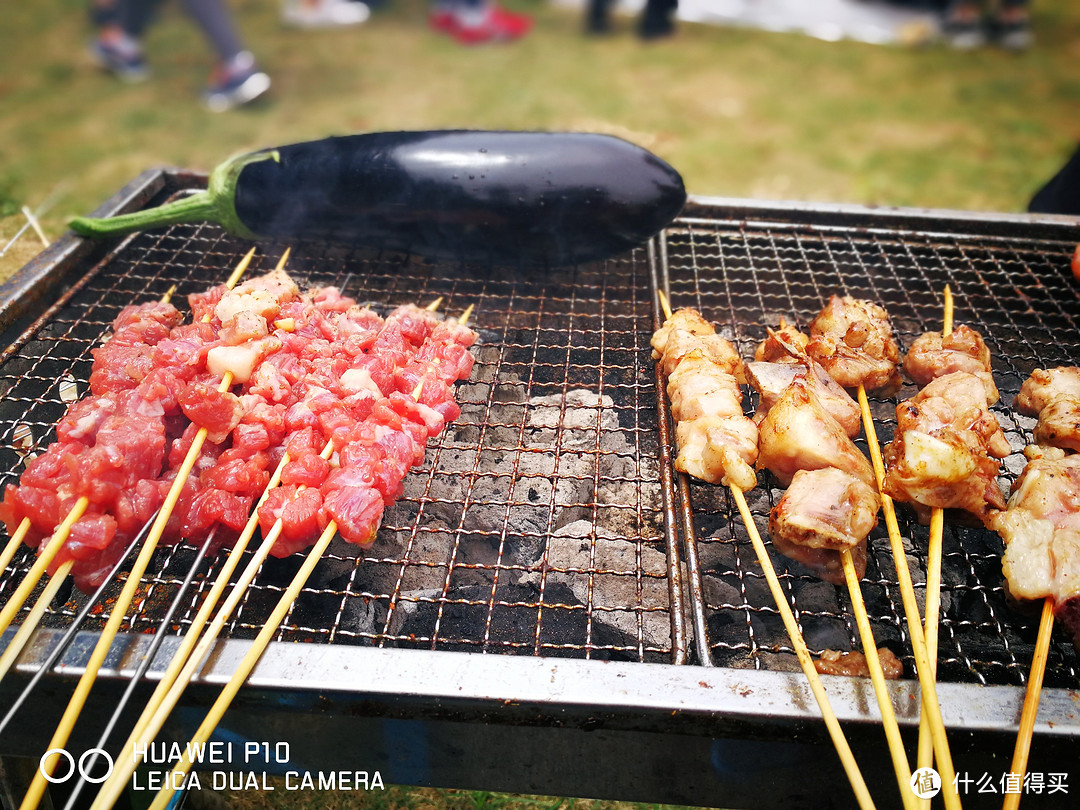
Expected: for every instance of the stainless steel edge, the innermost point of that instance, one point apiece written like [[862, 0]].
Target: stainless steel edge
[[621, 691], [929, 219]]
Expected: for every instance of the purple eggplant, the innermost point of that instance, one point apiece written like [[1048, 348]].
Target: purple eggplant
[[518, 198]]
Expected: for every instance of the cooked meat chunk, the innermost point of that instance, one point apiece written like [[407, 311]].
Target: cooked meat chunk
[[826, 508], [1059, 423], [719, 450], [1041, 530], [684, 320], [776, 348], [1044, 385], [699, 387], [947, 447], [717, 441], [682, 344], [771, 379], [833, 662], [933, 355], [799, 434], [853, 340]]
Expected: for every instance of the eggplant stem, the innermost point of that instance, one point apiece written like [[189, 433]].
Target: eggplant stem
[[216, 204]]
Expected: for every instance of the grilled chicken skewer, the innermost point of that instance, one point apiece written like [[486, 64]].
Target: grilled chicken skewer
[[954, 367], [251, 658], [733, 460], [1041, 529], [853, 340], [831, 502]]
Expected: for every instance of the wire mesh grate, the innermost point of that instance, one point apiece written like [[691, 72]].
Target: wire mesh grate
[[1015, 291], [533, 526], [536, 524]]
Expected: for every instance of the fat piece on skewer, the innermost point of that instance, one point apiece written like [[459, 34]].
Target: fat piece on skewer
[[717, 442], [771, 379], [853, 340], [777, 347]]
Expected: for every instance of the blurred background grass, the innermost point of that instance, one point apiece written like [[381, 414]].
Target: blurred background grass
[[740, 113]]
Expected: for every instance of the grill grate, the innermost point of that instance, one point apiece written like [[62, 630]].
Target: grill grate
[[1015, 291], [536, 525]]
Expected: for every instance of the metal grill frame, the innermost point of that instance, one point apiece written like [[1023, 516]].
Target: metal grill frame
[[333, 686]]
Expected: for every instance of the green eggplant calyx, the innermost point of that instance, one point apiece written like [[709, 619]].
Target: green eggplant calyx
[[216, 204]]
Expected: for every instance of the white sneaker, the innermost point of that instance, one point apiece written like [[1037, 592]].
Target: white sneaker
[[324, 13]]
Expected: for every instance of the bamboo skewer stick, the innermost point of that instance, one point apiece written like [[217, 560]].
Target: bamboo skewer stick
[[33, 220], [925, 756], [258, 646], [41, 564], [30, 623], [127, 594], [931, 708], [12, 547], [182, 667], [843, 750], [802, 653], [195, 645], [901, 766], [1018, 767]]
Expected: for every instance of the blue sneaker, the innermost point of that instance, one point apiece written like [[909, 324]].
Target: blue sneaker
[[122, 58], [236, 83]]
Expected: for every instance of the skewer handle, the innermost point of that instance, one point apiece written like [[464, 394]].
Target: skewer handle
[[1031, 702], [843, 750]]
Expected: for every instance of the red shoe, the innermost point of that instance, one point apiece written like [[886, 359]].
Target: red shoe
[[490, 23]]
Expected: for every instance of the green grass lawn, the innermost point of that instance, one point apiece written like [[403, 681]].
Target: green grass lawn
[[739, 113]]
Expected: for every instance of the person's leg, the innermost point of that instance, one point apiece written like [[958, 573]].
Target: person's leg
[[658, 19], [214, 20], [116, 49], [964, 26], [236, 79], [1014, 25]]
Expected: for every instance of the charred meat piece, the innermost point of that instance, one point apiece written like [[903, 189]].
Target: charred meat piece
[[833, 662], [771, 379], [947, 447], [934, 355], [799, 434], [853, 340], [1044, 385], [826, 508], [1059, 423], [776, 348]]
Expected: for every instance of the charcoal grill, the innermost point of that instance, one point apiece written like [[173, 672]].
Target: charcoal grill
[[539, 612]]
